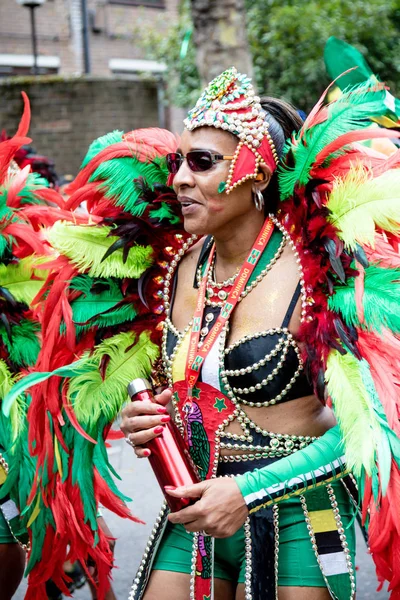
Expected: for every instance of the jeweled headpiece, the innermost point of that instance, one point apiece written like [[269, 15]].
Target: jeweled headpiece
[[229, 102]]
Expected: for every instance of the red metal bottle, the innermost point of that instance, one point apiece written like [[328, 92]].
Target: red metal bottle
[[170, 458]]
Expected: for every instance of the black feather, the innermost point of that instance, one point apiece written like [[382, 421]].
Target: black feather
[[336, 262], [114, 247], [360, 255]]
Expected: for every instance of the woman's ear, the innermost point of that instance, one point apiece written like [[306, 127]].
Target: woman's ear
[[263, 178]]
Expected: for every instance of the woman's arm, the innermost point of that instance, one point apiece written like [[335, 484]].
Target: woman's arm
[[319, 463], [223, 504]]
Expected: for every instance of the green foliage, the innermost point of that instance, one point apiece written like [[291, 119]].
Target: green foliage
[[175, 48], [287, 40]]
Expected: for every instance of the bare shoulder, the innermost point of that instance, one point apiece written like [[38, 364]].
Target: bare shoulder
[[187, 266], [186, 294]]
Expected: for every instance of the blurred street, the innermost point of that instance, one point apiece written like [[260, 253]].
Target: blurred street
[[138, 483]]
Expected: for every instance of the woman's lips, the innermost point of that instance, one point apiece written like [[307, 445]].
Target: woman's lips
[[189, 206]]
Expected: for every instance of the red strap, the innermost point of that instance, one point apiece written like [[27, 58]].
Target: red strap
[[196, 355]]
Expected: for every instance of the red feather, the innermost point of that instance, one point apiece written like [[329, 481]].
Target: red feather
[[144, 144], [27, 240], [383, 253], [350, 138], [7, 152], [17, 183], [382, 352], [25, 121]]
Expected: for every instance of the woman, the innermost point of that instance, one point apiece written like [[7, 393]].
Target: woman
[[224, 174]]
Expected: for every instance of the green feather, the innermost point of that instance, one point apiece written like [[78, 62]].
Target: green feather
[[354, 411], [118, 177], [389, 443], [359, 203], [28, 381], [27, 195], [23, 349], [165, 213], [82, 474], [90, 306], [92, 396], [6, 212], [85, 246], [18, 279], [114, 137], [4, 245], [381, 300], [353, 110], [340, 57], [17, 418]]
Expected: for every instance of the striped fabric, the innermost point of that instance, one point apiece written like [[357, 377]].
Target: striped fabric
[[296, 485], [336, 567]]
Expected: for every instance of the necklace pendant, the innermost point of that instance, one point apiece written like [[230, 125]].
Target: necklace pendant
[[222, 295], [210, 292], [209, 317], [204, 331]]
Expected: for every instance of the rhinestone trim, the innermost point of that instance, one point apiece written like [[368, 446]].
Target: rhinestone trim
[[275, 513], [144, 561], [249, 567]]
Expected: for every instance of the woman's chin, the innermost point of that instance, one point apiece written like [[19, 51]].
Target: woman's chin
[[194, 226]]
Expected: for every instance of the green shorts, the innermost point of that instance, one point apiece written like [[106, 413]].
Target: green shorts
[[297, 563]]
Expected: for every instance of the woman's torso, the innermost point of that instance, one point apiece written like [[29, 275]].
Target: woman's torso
[[256, 327]]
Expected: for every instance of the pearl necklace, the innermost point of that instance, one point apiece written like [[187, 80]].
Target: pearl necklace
[[222, 294]]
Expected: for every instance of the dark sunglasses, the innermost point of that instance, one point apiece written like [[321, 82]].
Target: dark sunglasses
[[198, 160]]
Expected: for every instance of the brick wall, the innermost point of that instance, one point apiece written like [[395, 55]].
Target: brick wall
[[68, 115], [114, 23]]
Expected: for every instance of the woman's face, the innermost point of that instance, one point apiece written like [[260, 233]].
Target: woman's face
[[204, 210]]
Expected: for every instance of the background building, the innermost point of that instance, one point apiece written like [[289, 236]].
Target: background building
[[124, 90]]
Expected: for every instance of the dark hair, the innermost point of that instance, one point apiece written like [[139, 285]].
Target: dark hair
[[283, 120]]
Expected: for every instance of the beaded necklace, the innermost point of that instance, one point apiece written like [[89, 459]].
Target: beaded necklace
[[241, 416]]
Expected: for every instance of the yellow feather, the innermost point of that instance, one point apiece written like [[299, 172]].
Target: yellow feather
[[129, 358], [58, 457], [359, 203], [35, 512], [354, 411]]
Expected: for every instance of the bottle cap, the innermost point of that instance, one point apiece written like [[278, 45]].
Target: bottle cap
[[138, 385]]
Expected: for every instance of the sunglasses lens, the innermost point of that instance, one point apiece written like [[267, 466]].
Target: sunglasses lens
[[174, 161], [199, 160]]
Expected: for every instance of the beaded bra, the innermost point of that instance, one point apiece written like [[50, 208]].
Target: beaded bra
[[258, 370]]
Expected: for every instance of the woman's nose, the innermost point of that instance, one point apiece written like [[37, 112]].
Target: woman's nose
[[184, 176]]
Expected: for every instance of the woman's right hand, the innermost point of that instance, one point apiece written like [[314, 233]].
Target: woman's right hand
[[143, 421]]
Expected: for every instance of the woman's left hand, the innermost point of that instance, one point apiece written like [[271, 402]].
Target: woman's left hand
[[220, 510]]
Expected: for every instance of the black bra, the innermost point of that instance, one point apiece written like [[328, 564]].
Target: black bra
[[262, 368]]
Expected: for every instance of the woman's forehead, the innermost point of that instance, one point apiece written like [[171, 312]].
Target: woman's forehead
[[208, 138]]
